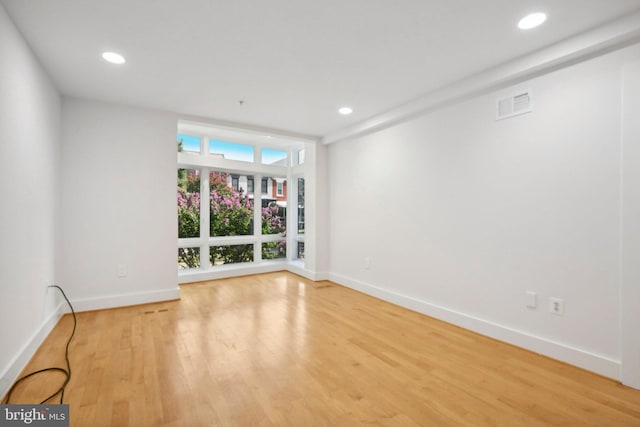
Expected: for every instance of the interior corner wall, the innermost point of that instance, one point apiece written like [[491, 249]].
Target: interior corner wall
[[29, 183], [630, 281], [457, 215], [316, 213], [117, 216], [321, 201]]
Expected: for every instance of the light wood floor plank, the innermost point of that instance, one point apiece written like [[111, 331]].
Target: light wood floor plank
[[279, 350]]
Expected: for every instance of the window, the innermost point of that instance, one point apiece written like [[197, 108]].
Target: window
[[188, 258], [274, 250], [300, 205], [188, 203], [224, 221], [230, 254], [230, 210], [274, 219], [188, 143], [274, 157], [230, 151], [300, 219]]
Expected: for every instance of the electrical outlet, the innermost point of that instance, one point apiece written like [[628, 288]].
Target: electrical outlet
[[556, 306], [367, 263]]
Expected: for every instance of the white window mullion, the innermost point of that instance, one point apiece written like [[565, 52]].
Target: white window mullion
[[204, 145], [292, 189], [205, 205], [257, 154], [257, 216]]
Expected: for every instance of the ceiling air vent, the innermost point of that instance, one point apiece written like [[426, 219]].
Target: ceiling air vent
[[514, 105]]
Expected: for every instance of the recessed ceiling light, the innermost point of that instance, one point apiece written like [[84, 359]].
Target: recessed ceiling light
[[532, 20], [114, 58], [345, 111]]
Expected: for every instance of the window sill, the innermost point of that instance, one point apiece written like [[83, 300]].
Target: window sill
[[231, 270]]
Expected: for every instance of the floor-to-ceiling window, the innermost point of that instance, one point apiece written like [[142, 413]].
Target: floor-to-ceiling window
[[234, 201]]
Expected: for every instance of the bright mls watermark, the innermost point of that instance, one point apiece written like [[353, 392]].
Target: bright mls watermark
[[34, 415]]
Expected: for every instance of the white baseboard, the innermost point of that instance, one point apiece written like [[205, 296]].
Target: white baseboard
[[321, 275], [123, 300], [10, 374], [225, 271], [298, 268], [592, 362]]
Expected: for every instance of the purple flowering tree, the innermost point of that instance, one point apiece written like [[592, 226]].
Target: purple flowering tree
[[188, 215], [274, 222], [231, 214]]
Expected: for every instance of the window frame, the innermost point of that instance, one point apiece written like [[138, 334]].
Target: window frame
[[255, 171]]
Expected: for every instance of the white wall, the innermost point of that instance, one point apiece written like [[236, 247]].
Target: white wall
[[461, 214], [118, 204], [630, 281], [29, 168], [321, 201]]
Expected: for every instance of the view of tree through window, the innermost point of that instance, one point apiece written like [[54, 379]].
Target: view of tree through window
[[230, 214], [217, 222], [188, 258], [274, 250], [231, 210], [188, 203], [230, 254]]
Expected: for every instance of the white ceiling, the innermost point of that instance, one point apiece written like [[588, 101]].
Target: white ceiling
[[293, 62]]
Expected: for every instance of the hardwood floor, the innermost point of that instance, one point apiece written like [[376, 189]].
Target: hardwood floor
[[278, 350]]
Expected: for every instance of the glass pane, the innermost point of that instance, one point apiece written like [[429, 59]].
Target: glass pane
[[231, 254], [188, 203], [274, 218], [300, 205], [274, 157], [301, 155], [274, 250], [188, 143], [274, 190], [300, 250], [231, 210], [188, 258], [231, 151]]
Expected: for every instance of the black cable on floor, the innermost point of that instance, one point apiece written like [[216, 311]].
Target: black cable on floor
[[67, 371]]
